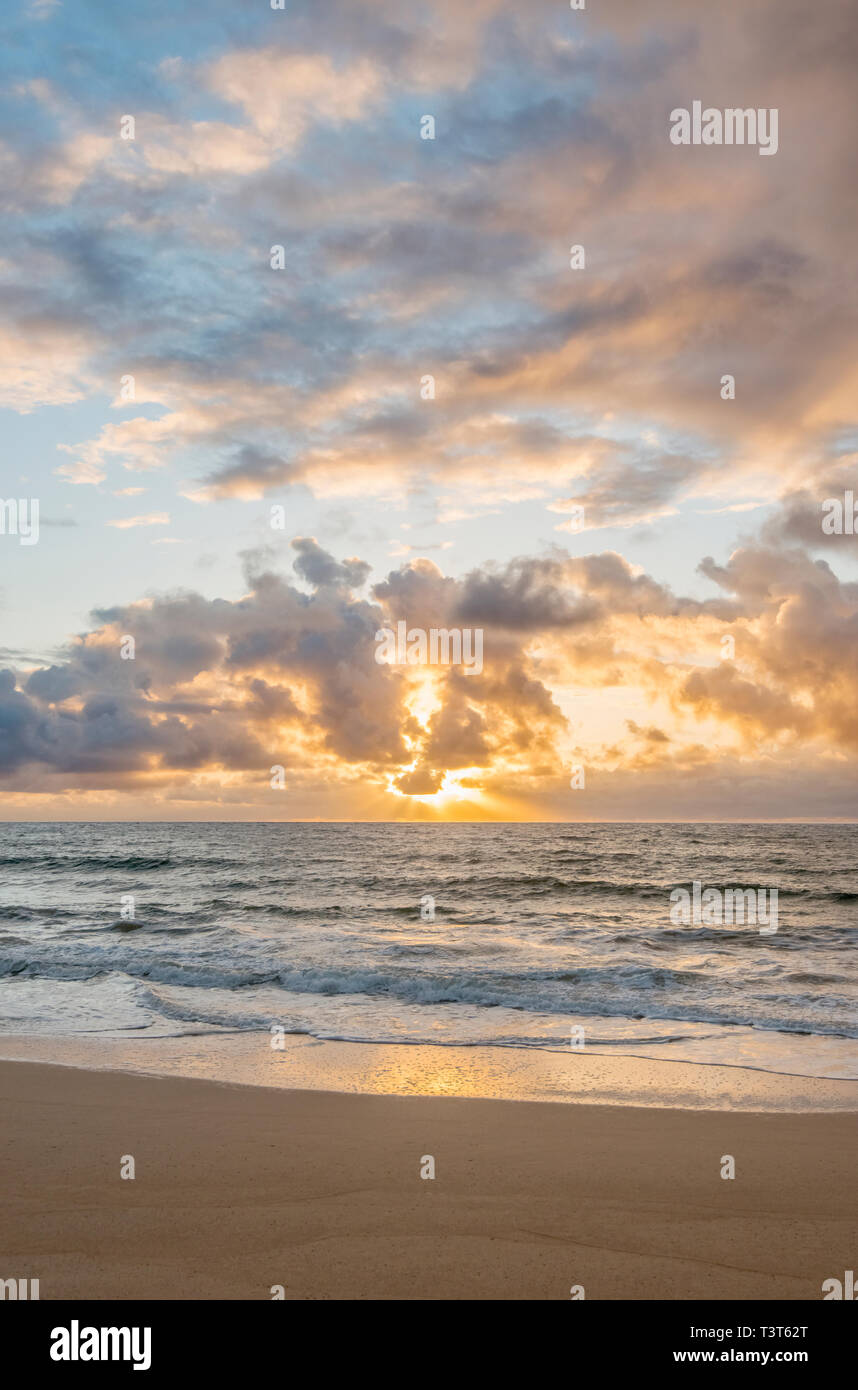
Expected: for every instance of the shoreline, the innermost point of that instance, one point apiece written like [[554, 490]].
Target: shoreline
[[239, 1189], [308, 1064]]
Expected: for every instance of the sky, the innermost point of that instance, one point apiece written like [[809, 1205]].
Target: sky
[[284, 362]]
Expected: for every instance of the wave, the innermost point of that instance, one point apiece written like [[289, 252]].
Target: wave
[[233, 1020], [623, 991], [136, 863], [14, 912]]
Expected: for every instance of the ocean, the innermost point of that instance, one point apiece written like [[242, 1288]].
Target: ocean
[[506, 935]]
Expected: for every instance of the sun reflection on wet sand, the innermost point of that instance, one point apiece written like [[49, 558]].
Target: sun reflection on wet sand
[[474, 1072]]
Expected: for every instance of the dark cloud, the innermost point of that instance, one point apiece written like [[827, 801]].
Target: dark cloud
[[320, 569], [527, 595]]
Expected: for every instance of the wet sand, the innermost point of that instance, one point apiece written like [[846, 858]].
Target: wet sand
[[240, 1188]]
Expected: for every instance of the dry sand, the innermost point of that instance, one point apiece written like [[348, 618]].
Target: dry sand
[[239, 1188]]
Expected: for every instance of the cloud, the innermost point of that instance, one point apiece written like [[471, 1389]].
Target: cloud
[[320, 569], [283, 93], [418, 256], [150, 519], [555, 389], [288, 675]]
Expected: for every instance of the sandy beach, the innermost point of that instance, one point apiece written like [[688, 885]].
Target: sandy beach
[[239, 1188]]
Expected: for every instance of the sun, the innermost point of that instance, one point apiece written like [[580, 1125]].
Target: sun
[[456, 787], [459, 787]]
